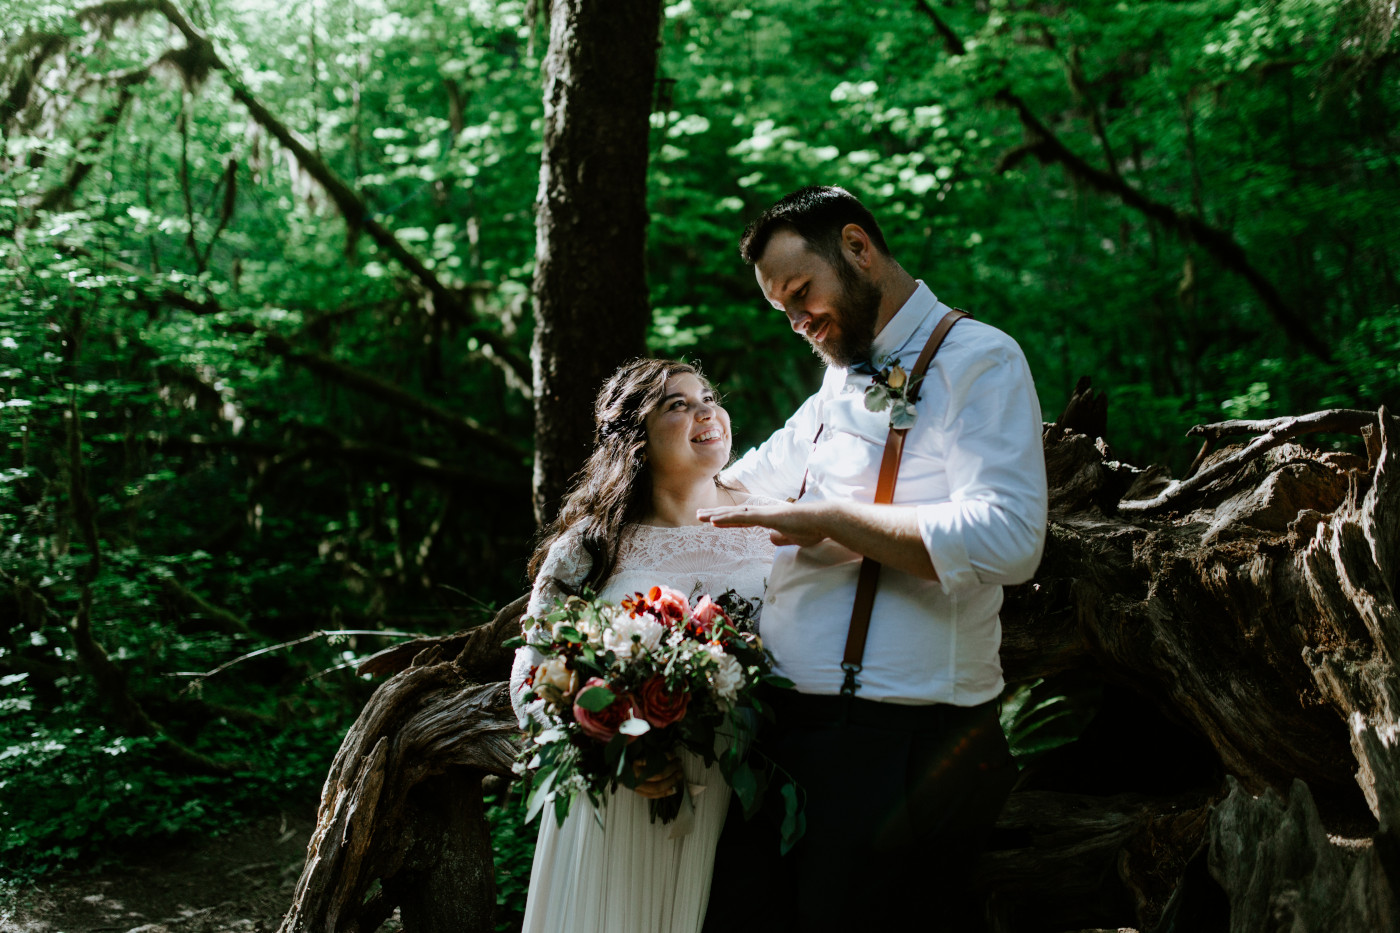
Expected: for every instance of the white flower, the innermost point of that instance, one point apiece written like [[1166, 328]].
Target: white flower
[[549, 735], [727, 675], [634, 726], [618, 637]]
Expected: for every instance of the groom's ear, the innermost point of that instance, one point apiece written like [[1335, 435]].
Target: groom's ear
[[856, 246]]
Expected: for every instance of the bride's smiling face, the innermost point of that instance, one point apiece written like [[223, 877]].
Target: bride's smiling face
[[688, 433]]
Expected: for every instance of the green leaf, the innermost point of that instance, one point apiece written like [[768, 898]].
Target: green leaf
[[614, 757], [794, 819], [562, 803], [902, 415], [877, 397], [539, 793], [569, 634], [745, 784], [595, 698]]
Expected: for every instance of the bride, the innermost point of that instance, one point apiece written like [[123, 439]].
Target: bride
[[661, 439]]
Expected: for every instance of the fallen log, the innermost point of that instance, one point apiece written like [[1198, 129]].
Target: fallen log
[[1249, 611]]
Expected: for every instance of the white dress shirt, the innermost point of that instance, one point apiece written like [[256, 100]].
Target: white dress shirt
[[973, 465]]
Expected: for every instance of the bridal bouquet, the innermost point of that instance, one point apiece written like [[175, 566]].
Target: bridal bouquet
[[622, 689]]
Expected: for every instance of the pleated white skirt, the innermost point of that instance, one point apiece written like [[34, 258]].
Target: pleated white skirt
[[627, 875]]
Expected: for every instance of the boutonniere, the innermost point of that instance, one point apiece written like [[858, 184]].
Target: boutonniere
[[891, 388]]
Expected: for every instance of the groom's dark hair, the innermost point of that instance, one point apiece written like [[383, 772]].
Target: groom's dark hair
[[817, 213]]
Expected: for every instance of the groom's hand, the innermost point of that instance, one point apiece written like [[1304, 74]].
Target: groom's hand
[[788, 523], [889, 534]]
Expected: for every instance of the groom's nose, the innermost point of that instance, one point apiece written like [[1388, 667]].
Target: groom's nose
[[800, 321]]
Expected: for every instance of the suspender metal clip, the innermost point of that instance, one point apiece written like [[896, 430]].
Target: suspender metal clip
[[850, 684]]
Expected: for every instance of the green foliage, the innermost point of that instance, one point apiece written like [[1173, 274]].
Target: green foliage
[[1043, 715], [72, 790], [513, 848]]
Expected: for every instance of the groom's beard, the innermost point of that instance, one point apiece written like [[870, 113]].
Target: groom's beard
[[853, 321]]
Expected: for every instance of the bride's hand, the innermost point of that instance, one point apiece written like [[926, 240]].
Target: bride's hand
[[659, 785]]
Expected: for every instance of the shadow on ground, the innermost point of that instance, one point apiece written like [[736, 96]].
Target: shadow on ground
[[240, 882]]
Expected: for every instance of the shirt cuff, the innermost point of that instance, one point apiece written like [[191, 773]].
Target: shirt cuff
[[941, 527]]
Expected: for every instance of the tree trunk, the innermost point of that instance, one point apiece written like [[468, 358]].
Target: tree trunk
[[591, 306]]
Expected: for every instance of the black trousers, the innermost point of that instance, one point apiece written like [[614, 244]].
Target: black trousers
[[899, 802]]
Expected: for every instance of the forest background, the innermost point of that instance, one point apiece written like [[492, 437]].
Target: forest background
[[234, 416]]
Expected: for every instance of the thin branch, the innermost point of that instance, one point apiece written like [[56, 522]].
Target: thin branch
[[445, 300], [1048, 148], [386, 391], [1276, 432], [183, 123], [291, 644], [83, 162], [109, 679], [230, 186], [222, 620], [1219, 243], [18, 98], [951, 40], [334, 447]]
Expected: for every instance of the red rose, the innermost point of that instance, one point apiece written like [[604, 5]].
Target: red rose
[[659, 706], [707, 615], [669, 606], [603, 724]]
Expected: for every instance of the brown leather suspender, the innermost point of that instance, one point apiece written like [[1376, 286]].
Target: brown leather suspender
[[884, 495]]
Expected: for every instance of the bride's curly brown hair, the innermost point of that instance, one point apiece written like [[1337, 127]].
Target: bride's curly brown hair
[[613, 488]]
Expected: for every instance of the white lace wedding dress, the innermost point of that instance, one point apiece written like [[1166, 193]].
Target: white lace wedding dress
[[629, 875]]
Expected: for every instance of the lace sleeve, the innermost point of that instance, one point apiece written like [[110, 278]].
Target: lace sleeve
[[566, 563]]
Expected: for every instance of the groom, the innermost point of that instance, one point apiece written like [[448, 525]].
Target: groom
[[901, 754]]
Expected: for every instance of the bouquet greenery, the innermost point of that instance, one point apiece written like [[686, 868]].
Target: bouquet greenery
[[621, 690]]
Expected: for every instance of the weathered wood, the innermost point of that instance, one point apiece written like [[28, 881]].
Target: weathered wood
[[380, 822], [1284, 873], [1257, 604], [478, 652], [1067, 861]]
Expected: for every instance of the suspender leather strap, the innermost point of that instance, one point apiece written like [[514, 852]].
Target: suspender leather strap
[[884, 495]]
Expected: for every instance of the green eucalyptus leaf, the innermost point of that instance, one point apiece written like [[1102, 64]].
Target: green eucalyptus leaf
[[902, 415], [877, 397]]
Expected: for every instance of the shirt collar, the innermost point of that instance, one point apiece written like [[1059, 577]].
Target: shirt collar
[[906, 322]]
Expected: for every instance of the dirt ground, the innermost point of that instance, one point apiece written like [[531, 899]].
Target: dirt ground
[[240, 882]]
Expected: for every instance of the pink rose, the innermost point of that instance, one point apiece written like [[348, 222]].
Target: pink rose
[[603, 724], [669, 606], [659, 706], [707, 616]]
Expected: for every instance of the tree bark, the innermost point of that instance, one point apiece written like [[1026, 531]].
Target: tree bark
[[1257, 606], [402, 808], [591, 306]]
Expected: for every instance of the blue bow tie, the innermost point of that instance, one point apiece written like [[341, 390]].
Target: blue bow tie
[[864, 367]]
